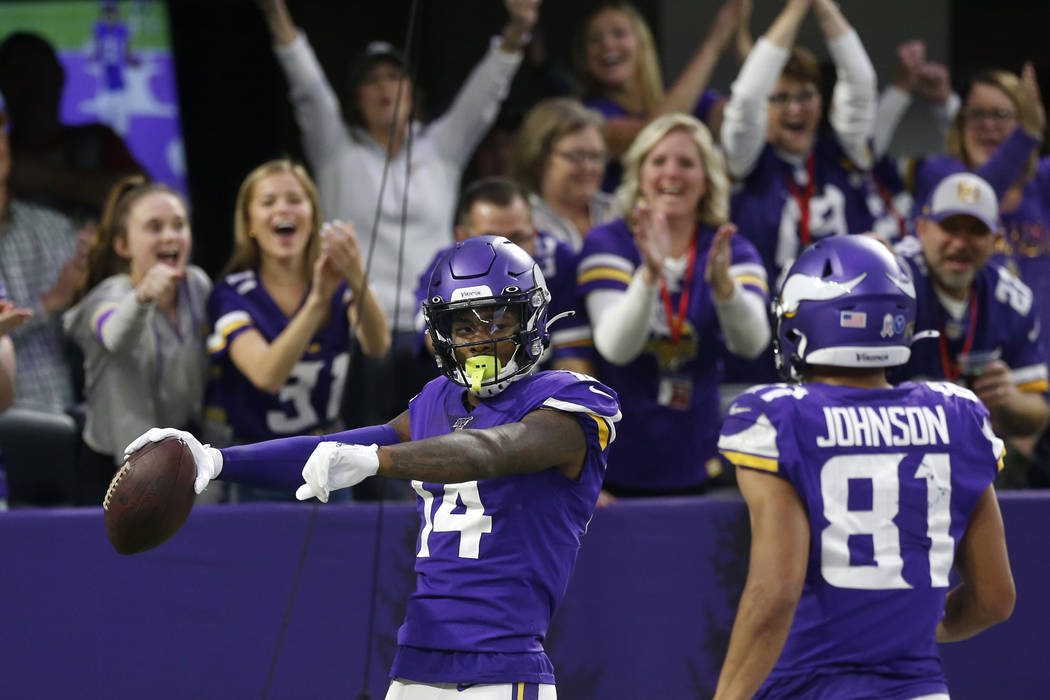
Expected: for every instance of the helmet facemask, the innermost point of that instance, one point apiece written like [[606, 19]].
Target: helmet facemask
[[487, 292]]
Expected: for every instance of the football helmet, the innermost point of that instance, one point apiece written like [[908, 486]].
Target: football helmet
[[489, 283], [846, 301]]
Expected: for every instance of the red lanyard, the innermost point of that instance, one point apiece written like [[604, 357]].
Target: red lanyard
[[803, 197], [952, 369], [674, 321], [887, 199]]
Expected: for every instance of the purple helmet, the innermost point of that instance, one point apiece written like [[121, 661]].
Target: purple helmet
[[847, 301], [488, 274]]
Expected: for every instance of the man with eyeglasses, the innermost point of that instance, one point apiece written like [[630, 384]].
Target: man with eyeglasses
[[500, 206], [797, 183]]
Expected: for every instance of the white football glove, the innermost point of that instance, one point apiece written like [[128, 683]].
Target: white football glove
[[207, 459], [335, 465]]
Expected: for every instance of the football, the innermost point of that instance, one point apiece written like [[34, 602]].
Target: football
[[149, 499]]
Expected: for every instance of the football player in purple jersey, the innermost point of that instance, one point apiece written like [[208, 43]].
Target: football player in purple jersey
[[862, 497], [507, 465], [500, 206]]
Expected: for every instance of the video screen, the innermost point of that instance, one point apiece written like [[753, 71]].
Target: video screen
[[119, 70]]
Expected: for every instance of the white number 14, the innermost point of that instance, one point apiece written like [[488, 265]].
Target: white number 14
[[470, 525]]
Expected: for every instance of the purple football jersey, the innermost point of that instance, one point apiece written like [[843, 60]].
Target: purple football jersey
[[1005, 324], [670, 391], [570, 336], [494, 556], [889, 478], [310, 399], [845, 200]]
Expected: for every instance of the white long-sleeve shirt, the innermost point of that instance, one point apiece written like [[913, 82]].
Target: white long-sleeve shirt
[[853, 102], [348, 165]]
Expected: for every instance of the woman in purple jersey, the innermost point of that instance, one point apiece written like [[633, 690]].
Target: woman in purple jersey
[[615, 60], [668, 290], [507, 463], [857, 515], [285, 286]]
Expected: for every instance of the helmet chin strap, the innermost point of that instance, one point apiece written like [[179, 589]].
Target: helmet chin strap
[[923, 335], [563, 314]]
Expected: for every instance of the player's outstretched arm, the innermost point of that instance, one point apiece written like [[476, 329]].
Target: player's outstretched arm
[[986, 595], [541, 440], [272, 463], [776, 573]]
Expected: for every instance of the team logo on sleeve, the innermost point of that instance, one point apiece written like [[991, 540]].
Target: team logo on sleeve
[[462, 422]]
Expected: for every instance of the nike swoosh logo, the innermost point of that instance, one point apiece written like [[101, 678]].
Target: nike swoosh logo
[[734, 409]]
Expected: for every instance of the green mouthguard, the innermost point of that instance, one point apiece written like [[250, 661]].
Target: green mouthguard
[[481, 367]]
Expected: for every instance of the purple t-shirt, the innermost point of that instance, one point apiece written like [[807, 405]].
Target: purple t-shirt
[[494, 556], [889, 479], [1005, 323], [310, 399], [670, 391]]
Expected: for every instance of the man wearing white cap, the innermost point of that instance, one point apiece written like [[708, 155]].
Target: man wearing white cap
[[989, 332]]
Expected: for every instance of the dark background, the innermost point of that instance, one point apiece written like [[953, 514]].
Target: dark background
[[236, 114]]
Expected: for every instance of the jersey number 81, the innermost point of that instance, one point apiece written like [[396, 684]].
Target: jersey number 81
[[882, 471]]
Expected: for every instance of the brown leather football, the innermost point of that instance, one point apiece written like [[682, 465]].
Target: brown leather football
[[149, 499]]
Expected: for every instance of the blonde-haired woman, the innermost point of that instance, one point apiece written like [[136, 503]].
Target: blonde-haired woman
[[615, 61], [291, 295], [139, 320], [559, 158], [669, 289]]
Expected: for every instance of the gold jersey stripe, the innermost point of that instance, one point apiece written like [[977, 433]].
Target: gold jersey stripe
[[603, 430], [226, 331], [1038, 386], [742, 459], [753, 280], [604, 273]]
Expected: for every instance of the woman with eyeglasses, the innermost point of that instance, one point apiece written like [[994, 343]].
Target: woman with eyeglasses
[[800, 182], [997, 135], [559, 158]]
